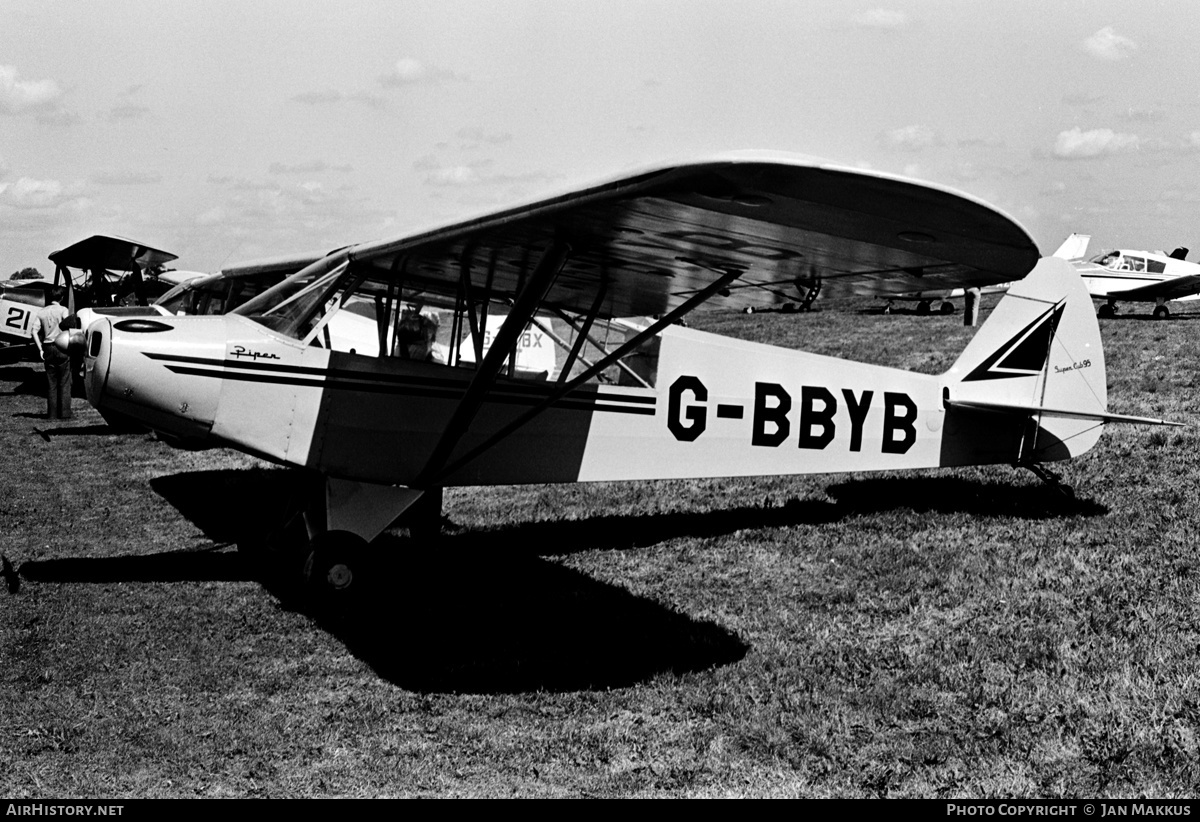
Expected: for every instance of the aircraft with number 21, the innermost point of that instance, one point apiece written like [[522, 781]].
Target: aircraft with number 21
[[444, 396]]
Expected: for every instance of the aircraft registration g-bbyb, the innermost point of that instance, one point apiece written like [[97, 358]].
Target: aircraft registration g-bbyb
[[451, 392]]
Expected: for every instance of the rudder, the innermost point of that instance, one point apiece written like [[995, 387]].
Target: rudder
[[1037, 361]]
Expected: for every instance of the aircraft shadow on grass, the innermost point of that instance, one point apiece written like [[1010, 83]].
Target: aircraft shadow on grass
[[487, 612], [30, 381], [25, 379]]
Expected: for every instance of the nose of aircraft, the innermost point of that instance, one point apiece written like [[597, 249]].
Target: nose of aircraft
[[96, 351], [142, 368]]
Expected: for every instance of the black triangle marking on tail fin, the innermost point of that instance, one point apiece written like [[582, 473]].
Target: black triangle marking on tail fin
[[1025, 354]]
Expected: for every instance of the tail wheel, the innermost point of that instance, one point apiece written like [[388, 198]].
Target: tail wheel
[[334, 570]]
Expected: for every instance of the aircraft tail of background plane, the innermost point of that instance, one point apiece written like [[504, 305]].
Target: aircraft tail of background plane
[[1074, 247], [1035, 371]]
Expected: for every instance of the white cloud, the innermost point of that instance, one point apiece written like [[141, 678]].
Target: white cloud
[[880, 19], [911, 138], [1077, 143], [17, 96], [214, 216], [408, 71], [29, 193], [1145, 115], [453, 176], [1106, 44]]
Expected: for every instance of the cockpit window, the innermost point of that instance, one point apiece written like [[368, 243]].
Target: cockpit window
[[398, 314]]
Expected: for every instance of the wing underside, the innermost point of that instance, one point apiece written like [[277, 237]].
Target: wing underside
[[646, 243]]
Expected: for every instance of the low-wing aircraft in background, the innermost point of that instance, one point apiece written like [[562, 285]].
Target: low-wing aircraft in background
[[1073, 247], [1138, 276], [380, 434]]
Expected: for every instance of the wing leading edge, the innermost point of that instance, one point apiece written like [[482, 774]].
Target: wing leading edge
[[649, 241]]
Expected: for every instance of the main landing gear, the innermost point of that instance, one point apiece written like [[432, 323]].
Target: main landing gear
[[326, 544], [926, 307]]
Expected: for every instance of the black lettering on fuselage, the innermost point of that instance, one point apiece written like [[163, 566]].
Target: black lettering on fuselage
[[771, 424], [895, 422], [697, 415], [857, 408], [811, 418], [773, 414]]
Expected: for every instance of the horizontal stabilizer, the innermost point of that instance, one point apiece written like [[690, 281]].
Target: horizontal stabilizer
[[1013, 408]]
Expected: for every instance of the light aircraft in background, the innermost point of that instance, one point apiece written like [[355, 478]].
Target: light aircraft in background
[[114, 271], [1138, 276], [20, 300], [1073, 247], [381, 434]]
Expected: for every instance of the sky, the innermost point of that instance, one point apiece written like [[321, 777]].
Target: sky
[[230, 131]]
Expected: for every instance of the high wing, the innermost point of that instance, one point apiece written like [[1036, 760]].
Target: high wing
[[1175, 288], [646, 243]]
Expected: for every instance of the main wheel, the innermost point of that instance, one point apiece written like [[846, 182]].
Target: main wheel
[[1106, 311], [923, 307], [947, 307], [333, 572], [1161, 312]]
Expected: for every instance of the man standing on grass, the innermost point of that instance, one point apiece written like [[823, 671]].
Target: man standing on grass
[[46, 326]]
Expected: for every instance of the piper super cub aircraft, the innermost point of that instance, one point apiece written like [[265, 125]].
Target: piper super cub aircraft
[[442, 400]]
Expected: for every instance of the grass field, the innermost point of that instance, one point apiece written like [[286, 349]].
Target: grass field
[[963, 633]]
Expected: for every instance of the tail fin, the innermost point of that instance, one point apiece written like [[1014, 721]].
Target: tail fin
[[1074, 247], [1036, 370]]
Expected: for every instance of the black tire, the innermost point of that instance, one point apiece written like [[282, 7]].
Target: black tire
[[334, 573], [923, 307], [947, 308], [1106, 312], [1161, 312]]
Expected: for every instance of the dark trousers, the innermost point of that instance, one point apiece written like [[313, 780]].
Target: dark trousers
[[58, 379]]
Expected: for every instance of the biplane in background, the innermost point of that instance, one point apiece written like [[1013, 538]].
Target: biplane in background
[[1138, 276], [441, 398], [114, 271], [100, 273]]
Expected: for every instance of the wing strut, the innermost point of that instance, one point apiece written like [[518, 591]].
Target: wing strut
[[563, 389], [581, 337], [586, 334], [485, 375]]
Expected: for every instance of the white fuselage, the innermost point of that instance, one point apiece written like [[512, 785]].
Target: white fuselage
[[1120, 271]]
